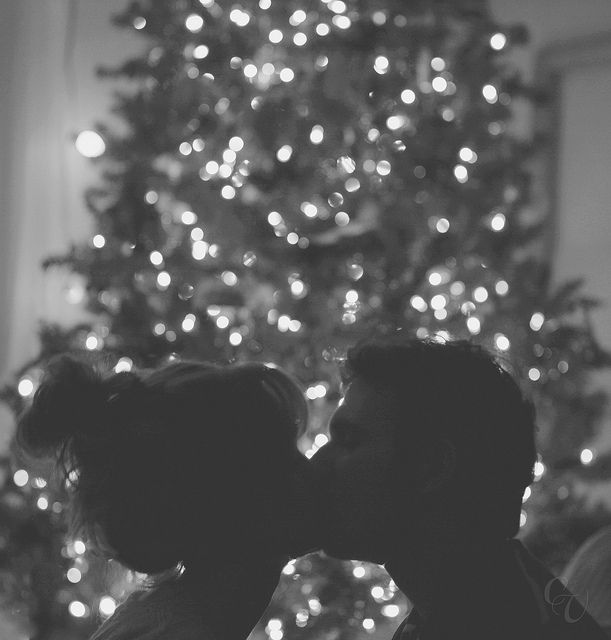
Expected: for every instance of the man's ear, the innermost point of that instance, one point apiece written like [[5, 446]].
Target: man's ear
[[440, 465]]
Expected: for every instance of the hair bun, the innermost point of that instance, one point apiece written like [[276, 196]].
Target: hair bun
[[70, 398]]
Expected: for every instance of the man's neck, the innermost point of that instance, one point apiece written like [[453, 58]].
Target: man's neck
[[422, 573], [234, 595]]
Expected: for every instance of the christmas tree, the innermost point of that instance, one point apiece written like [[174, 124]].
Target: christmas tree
[[294, 176]]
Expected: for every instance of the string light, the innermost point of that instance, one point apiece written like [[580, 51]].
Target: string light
[[536, 321], [498, 222], [381, 65], [439, 84], [377, 593], [164, 279], [21, 478], [534, 374], [235, 338], [222, 322], [359, 572], [538, 469], [474, 325], [201, 52], [502, 342], [275, 36], [239, 17], [199, 250], [194, 23], [93, 342], [156, 258], [107, 606], [586, 456], [467, 155], [435, 278], [25, 387], [383, 167], [284, 153], [79, 547], [442, 225], [342, 219], [498, 41], [352, 185], [287, 74], [501, 287], [78, 609], [460, 173], [490, 93], [274, 218], [336, 199], [229, 278], [438, 301], [74, 575], [188, 323], [480, 294], [457, 288], [228, 192], [90, 144], [419, 303], [236, 143], [317, 135], [124, 364], [408, 96]]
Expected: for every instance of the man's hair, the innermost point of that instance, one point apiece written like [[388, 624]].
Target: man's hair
[[457, 391]]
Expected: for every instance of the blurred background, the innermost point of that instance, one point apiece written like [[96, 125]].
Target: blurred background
[[274, 180]]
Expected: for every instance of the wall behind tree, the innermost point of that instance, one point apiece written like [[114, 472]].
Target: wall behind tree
[[48, 92], [574, 38]]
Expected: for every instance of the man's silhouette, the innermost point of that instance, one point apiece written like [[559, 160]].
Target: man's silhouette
[[429, 456]]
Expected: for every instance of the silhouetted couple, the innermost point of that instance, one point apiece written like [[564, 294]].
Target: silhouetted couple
[[196, 465]]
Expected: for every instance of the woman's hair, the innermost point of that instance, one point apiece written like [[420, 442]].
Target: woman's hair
[[161, 461], [588, 576]]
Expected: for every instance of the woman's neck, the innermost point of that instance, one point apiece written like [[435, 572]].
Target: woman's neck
[[233, 595]]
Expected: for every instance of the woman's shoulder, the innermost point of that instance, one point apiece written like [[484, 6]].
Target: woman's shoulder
[[164, 612]]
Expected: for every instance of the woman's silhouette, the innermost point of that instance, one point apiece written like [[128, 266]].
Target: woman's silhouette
[[189, 471]]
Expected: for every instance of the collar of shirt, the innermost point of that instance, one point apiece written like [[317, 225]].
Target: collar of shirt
[[503, 592]]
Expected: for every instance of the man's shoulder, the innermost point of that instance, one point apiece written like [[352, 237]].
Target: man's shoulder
[[560, 613], [512, 595]]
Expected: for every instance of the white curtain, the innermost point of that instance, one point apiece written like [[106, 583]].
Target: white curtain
[[48, 92]]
